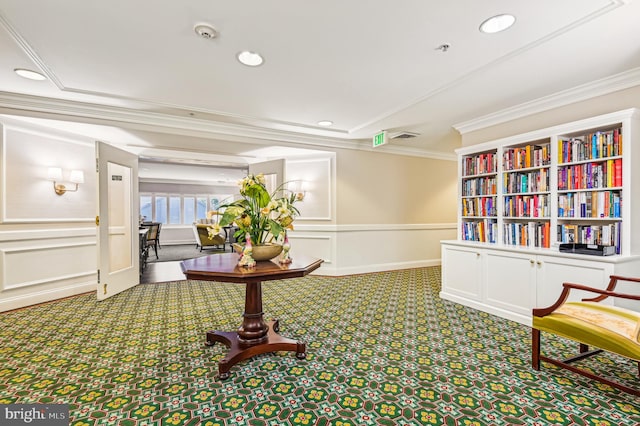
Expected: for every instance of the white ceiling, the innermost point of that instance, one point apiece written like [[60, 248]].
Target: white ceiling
[[367, 65]]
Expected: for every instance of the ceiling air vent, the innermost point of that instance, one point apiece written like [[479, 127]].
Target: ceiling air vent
[[403, 135]]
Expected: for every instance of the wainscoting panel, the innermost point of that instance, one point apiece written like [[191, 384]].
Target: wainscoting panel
[[40, 264], [46, 264], [356, 249], [319, 246], [27, 196]]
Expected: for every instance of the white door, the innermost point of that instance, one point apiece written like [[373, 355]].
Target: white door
[[117, 220]]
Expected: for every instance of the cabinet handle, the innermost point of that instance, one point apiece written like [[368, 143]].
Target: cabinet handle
[[477, 254], [539, 263], [531, 261]]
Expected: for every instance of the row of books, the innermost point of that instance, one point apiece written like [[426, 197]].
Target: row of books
[[591, 146], [537, 234], [534, 181], [484, 231], [606, 235], [595, 204], [479, 164], [607, 174], [526, 205], [483, 206], [524, 157], [479, 186], [530, 234]]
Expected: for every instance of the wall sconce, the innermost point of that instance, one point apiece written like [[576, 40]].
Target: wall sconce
[[298, 187], [55, 174]]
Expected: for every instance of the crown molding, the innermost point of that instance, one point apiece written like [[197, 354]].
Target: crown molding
[[583, 92], [13, 103]]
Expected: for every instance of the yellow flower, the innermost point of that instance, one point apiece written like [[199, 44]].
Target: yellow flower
[[213, 230]]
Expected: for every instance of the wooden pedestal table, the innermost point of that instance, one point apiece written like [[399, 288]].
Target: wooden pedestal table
[[255, 336]]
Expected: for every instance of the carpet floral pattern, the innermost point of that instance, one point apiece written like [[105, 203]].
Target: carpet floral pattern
[[383, 349]]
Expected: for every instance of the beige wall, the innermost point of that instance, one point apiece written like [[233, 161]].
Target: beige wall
[[616, 101], [375, 188]]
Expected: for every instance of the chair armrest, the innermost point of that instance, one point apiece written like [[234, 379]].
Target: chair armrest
[[613, 281], [566, 288]]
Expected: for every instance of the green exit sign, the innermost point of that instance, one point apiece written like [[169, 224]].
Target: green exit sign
[[380, 139]]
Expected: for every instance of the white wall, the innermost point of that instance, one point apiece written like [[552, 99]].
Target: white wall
[[47, 241]]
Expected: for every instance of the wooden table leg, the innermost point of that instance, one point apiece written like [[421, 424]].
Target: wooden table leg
[[254, 337]]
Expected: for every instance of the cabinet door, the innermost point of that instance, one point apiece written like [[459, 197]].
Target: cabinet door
[[462, 271], [553, 271], [510, 279]]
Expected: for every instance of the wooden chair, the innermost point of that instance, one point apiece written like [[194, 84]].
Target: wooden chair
[[590, 323], [153, 236]]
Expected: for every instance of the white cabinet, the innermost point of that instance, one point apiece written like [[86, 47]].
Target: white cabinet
[[553, 271], [510, 283], [464, 281], [512, 278]]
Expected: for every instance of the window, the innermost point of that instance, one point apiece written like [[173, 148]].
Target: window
[[161, 209], [179, 209], [175, 210], [189, 209], [146, 208], [201, 211]]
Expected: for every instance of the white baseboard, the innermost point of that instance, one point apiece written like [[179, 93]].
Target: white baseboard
[[365, 269], [34, 298], [522, 319]]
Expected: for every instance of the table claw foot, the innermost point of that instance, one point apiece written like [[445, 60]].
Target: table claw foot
[[223, 369], [276, 325], [209, 343], [301, 350]]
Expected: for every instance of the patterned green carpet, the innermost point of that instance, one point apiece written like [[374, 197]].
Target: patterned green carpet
[[383, 349]]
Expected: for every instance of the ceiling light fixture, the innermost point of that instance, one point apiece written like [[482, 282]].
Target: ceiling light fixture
[[325, 123], [250, 59], [31, 75], [497, 23]]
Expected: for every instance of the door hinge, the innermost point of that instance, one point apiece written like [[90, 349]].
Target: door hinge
[[97, 220], [97, 166], [105, 288], [98, 276]]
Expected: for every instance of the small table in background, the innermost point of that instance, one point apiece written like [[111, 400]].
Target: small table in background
[[255, 336]]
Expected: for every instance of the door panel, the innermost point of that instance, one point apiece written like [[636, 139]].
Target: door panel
[[118, 241], [511, 281]]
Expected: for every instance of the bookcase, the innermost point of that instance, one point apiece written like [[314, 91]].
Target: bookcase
[[520, 197]]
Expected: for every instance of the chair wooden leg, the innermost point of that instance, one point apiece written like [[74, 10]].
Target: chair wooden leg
[[535, 348]]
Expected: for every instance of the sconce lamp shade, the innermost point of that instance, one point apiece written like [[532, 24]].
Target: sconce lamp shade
[[54, 173], [76, 176]]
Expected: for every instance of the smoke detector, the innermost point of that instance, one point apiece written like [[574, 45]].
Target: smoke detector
[[205, 31]]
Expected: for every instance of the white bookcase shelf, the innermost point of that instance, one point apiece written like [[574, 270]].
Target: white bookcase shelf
[[520, 197]]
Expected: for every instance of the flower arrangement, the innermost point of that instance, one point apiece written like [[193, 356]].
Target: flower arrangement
[[264, 217]]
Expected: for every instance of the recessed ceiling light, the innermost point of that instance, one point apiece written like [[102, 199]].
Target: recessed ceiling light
[[325, 123], [250, 59], [31, 75], [497, 23]]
